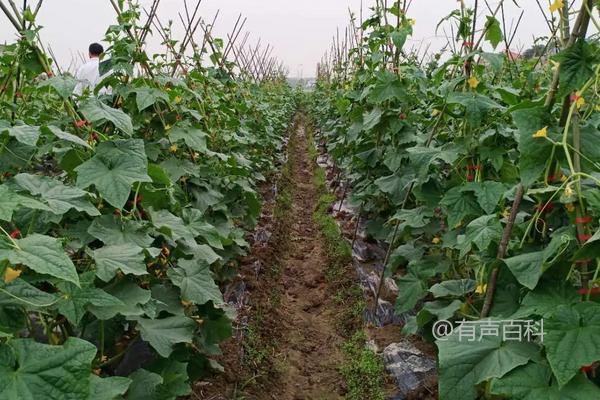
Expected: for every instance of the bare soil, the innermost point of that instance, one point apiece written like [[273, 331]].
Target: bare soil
[[291, 347]]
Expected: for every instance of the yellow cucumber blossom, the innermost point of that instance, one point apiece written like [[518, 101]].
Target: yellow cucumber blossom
[[11, 274], [557, 5], [473, 82], [481, 289], [569, 191], [436, 240], [173, 148], [542, 133]]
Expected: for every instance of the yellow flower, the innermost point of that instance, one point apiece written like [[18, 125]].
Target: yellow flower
[[569, 191], [542, 133], [11, 274], [436, 240], [412, 22], [570, 207], [580, 102], [556, 6], [167, 127], [506, 213], [473, 82], [563, 178], [177, 99], [436, 112], [481, 289], [173, 148]]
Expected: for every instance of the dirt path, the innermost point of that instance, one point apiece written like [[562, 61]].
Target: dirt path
[[288, 345], [310, 342]]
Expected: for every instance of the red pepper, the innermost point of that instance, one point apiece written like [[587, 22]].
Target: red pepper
[[470, 178], [585, 291], [15, 234], [546, 207], [574, 97], [81, 123], [584, 237], [583, 220]]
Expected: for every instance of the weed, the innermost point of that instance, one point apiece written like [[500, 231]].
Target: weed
[[362, 370]]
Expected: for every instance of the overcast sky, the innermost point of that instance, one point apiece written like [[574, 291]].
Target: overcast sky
[[300, 31]]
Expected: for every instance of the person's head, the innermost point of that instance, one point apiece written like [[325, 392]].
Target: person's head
[[95, 50]]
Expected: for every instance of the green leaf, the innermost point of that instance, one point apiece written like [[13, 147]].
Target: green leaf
[[12, 202], [399, 38], [534, 381], [193, 138], [546, 298], [412, 287], [371, 119], [96, 111], [45, 255], [196, 222], [572, 339], [144, 385], [125, 257], [493, 32], [163, 334], [196, 282], [22, 294], [455, 288], [74, 301], [171, 225], [529, 267], [496, 61], [25, 134], [63, 85], [488, 194], [390, 88], [60, 198], [111, 388], [116, 166], [464, 363], [442, 309], [576, 65], [415, 217], [459, 204], [146, 97], [476, 105], [534, 152], [132, 298], [483, 231], [177, 168], [67, 137], [113, 231], [424, 156], [395, 185], [40, 371], [175, 379]]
